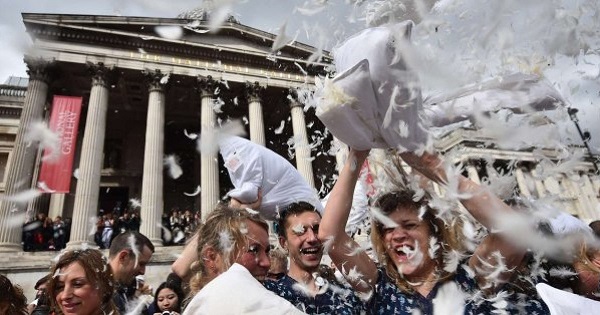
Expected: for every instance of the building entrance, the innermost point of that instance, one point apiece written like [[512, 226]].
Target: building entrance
[[113, 200]]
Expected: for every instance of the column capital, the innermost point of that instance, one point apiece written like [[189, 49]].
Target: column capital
[[101, 74], [156, 80], [39, 68], [254, 91], [293, 98], [207, 85]]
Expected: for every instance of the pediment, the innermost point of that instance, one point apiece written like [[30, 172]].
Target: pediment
[[232, 37]]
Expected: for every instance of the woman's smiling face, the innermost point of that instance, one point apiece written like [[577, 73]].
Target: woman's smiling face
[[75, 294], [407, 244]]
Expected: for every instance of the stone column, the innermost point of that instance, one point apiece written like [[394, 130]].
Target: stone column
[[209, 163], [303, 159], [522, 182], [473, 174], [255, 114], [152, 182], [23, 155], [90, 163]]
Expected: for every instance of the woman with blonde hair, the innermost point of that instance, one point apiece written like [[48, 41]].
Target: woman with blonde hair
[[419, 254], [82, 284], [232, 257]]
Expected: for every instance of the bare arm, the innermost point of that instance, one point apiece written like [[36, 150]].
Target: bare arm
[[181, 266], [359, 269], [484, 206]]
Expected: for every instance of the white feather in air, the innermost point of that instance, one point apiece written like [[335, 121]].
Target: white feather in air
[[382, 218], [195, 193], [22, 197], [279, 129], [450, 299], [135, 203], [192, 136], [38, 132], [169, 32], [171, 162]]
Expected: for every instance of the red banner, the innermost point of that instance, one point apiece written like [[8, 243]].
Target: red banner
[[55, 173]]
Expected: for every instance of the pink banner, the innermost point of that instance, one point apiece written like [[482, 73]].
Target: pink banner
[[57, 167]]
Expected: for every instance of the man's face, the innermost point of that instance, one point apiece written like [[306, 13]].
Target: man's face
[[255, 253], [132, 267], [304, 248]]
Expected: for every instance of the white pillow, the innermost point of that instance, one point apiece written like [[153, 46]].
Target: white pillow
[[348, 108], [396, 88]]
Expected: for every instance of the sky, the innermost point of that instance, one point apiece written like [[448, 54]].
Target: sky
[[456, 42]]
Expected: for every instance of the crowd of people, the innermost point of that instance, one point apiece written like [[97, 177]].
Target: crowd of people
[[42, 233], [428, 256]]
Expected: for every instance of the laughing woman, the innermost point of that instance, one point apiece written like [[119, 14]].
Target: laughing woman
[[409, 237], [82, 284]]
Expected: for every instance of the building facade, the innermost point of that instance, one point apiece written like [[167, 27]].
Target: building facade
[[146, 97]]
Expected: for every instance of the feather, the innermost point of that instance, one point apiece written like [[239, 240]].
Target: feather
[[434, 246], [22, 197], [171, 162], [192, 136], [450, 299], [169, 32], [279, 129], [195, 193], [382, 218]]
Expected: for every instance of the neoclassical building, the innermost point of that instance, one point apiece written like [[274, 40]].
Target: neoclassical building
[[146, 97]]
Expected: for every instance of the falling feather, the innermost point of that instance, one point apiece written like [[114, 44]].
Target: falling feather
[[166, 233], [382, 218], [38, 132], [452, 259], [192, 136], [134, 249], [22, 196], [135, 203], [450, 299], [195, 193], [301, 69], [225, 241], [137, 306], [279, 129], [171, 162], [354, 275], [169, 32], [299, 229], [44, 187], [562, 272], [251, 211], [434, 246], [281, 40], [209, 139], [76, 173]]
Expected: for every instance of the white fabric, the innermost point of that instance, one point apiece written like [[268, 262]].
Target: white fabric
[[236, 291], [398, 105], [517, 92], [565, 303], [359, 213], [565, 223], [252, 167]]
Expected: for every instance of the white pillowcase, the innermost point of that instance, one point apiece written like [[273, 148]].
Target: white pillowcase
[[398, 104]]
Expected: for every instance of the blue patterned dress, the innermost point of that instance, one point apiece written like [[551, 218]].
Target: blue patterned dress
[[335, 300], [388, 299]]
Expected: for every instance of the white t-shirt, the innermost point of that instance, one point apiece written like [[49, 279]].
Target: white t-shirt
[[252, 167], [236, 291]]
